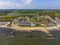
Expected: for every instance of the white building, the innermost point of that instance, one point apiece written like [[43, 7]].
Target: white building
[[27, 23], [57, 20]]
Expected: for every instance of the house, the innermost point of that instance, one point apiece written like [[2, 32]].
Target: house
[[33, 24], [57, 20], [4, 24], [15, 20], [25, 18], [23, 23]]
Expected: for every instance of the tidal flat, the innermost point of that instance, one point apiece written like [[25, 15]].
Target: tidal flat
[[26, 38]]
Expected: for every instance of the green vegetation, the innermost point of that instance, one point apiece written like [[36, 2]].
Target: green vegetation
[[6, 18], [32, 20], [33, 15]]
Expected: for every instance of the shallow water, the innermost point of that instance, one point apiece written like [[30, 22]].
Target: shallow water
[[26, 38]]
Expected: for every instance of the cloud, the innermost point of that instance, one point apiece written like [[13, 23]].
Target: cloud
[[27, 1], [14, 5], [29, 4], [26, 4], [8, 5]]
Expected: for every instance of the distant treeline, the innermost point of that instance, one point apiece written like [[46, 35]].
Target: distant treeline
[[49, 12]]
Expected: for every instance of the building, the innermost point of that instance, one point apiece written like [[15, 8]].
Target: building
[[23, 23], [57, 20], [15, 20]]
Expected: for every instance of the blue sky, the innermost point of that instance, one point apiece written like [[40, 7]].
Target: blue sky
[[29, 4]]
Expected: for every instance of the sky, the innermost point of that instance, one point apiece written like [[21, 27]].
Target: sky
[[29, 4]]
